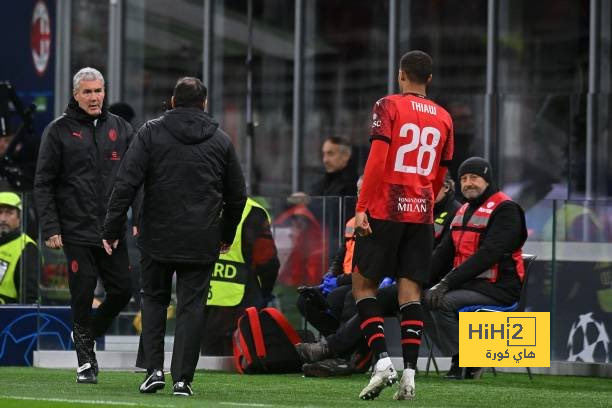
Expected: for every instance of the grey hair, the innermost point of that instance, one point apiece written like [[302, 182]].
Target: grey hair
[[86, 74]]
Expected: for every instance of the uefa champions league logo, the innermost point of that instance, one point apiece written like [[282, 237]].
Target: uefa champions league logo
[[50, 329], [588, 340]]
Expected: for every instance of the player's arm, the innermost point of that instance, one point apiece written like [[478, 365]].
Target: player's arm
[[372, 173], [438, 181], [447, 156], [380, 138], [371, 176]]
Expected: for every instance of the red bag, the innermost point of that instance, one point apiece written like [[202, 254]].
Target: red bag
[[264, 343]]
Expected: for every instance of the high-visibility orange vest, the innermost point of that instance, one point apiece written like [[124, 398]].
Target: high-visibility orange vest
[[349, 242]]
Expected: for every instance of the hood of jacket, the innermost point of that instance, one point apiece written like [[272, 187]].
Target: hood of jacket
[[189, 125]]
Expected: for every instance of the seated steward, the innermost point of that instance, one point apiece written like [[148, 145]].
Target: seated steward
[[484, 246]]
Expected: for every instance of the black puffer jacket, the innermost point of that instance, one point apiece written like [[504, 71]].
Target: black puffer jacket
[[77, 164], [194, 190]]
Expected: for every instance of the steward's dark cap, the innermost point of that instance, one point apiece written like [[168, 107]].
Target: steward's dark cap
[[478, 166]]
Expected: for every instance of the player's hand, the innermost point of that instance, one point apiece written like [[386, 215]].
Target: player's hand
[[362, 225], [110, 245], [225, 248], [435, 295], [54, 242]]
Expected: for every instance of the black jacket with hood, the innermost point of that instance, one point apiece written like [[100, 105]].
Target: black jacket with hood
[[194, 190], [77, 164]]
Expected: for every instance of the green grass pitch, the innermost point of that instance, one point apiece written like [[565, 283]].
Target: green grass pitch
[[38, 387]]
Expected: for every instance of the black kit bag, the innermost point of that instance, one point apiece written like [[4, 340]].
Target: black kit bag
[[264, 342]]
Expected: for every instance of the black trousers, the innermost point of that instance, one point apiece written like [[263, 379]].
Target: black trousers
[[192, 283], [85, 265], [326, 313], [442, 324]]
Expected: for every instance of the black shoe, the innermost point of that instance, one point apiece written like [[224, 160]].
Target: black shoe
[[154, 380], [473, 373], [182, 388], [455, 373], [313, 352], [330, 367], [86, 374]]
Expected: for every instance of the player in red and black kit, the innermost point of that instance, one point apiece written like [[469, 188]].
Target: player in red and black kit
[[411, 144]]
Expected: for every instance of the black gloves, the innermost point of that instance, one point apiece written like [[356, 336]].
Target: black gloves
[[436, 293]]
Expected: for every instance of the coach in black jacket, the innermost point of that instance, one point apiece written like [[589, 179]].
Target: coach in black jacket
[[484, 247], [194, 193], [79, 157]]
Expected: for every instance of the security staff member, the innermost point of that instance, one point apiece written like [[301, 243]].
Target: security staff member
[[484, 246], [18, 254], [80, 154], [241, 278]]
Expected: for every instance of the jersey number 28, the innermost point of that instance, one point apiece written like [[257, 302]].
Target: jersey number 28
[[419, 140]]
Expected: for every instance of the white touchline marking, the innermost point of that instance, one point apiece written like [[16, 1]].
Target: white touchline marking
[[134, 404], [91, 402]]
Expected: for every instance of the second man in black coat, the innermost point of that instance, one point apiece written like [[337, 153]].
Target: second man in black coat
[[194, 193]]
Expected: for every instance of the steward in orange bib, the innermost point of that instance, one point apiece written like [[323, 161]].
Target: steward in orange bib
[[484, 247]]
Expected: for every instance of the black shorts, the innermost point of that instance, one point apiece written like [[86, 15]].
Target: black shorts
[[395, 249]]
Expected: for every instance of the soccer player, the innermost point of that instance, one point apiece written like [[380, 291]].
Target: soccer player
[[411, 145]]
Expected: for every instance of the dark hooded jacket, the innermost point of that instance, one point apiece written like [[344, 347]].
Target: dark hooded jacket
[[194, 190], [77, 164]]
